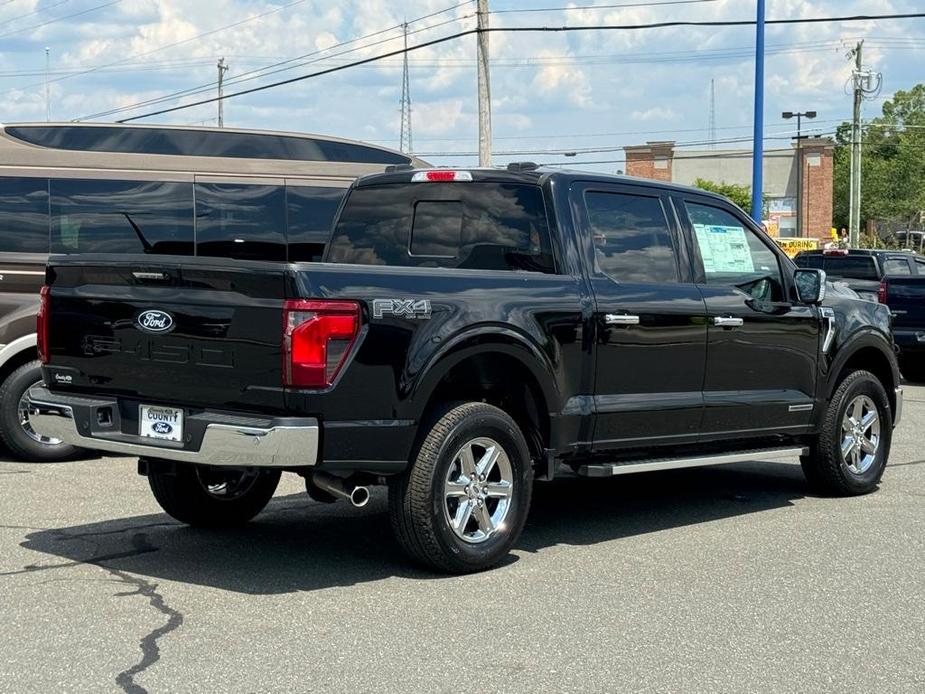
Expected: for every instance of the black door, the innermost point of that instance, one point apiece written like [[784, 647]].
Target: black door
[[650, 342], [762, 347]]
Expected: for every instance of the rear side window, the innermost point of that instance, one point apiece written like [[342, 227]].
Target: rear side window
[[477, 226], [24, 215], [854, 267], [896, 266], [247, 222], [310, 213], [97, 216], [631, 236]]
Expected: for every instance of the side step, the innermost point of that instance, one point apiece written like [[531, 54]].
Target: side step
[[652, 464]]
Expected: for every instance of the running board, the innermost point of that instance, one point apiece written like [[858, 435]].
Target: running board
[[611, 469]]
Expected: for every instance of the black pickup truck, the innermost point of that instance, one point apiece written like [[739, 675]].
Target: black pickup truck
[[468, 333], [894, 278]]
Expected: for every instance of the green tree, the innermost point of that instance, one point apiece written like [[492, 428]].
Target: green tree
[[892, 164], [739, 194]]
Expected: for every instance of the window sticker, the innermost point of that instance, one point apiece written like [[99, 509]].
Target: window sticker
[[724, 249]]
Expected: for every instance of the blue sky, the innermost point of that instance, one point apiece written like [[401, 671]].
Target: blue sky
[[551, 92]]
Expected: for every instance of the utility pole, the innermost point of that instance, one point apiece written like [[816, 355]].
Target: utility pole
[[854, 214], [222, 69], [758, 136], [47, 93], [406, 141], [484, 85]]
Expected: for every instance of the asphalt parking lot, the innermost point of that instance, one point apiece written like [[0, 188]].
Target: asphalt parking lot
[[721, 579]]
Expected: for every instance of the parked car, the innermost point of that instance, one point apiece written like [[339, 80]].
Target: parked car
[[103, 188], [468, 333], [861, 269], [894, 278]]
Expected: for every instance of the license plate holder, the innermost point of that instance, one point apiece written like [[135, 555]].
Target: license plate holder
[[162, 423]]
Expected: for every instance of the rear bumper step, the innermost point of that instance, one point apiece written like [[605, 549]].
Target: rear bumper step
[[611, 469], [225, 441]]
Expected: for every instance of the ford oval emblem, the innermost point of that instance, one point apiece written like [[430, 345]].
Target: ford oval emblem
[[154, 321], [162, 428]]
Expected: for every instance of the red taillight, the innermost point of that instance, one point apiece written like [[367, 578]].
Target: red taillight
[[41, 325], [883, 291], [317, 338]]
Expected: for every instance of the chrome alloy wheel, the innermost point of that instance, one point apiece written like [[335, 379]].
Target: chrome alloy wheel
[[226, 484], [860, 429], [478, 490], [24, 413]]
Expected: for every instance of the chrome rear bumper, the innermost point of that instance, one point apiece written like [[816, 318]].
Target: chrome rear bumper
[[229, 441]]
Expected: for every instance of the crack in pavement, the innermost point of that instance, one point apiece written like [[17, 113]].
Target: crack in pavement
[[150, 650]]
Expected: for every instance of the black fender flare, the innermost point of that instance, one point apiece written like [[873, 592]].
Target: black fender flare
[[864, 339], [481, 340]]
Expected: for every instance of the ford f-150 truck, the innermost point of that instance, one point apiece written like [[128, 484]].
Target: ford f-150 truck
[[469, 332]]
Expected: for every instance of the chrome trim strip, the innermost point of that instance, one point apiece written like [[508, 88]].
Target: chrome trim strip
[[898, 414], [222, 444], [620, 319], [829, 315], [611, 469], [801, 408], [728, 322]]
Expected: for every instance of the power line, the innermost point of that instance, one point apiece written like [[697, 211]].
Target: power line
[[172, 45], [543, 29], [34, 12], [262, 72], [60, 19], [602, 7]]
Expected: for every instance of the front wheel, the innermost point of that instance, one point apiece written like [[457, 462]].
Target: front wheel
[[16, 430], [463, 501], [850, 453], [212, 496]]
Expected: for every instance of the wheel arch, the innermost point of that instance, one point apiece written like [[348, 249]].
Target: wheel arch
[[20, 351], [870, 352], [501, 368]]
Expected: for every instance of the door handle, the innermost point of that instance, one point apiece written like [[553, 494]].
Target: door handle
[[620, 319], [728, 322]]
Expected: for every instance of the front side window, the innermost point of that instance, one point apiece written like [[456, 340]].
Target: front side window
[[477, 226], [24, 215], [733, 255], [631, 236], [102, 216], [242, 221]]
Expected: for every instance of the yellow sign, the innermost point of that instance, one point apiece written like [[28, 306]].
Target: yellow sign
[[792, 246]]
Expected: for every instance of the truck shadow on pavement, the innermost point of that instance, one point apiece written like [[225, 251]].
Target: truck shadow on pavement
[[299, 545]]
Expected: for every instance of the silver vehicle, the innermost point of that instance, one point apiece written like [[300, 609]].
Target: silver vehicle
[[102, 188]]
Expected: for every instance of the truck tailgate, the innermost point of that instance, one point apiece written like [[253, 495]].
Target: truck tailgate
[[906, 299], [185, 331]]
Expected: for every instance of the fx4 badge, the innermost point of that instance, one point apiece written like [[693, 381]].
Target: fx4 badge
[[411, 309]]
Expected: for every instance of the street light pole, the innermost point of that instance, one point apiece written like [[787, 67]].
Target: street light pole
[[758, 134], [787, 115]]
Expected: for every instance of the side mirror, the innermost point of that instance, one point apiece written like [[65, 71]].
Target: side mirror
[[810, 285]]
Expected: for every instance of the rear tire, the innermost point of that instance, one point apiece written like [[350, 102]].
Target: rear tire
[[15, 430], [464, 499], [212, 497], [850, 454]]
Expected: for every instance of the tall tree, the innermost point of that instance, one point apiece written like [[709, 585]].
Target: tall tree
[[892, 164]]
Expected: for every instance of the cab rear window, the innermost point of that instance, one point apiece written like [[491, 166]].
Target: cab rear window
[[477, 226]]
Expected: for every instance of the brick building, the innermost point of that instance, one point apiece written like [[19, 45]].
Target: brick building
[[664, 162]]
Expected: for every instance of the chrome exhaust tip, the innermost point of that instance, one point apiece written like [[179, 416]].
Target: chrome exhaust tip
[[340, 488]]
